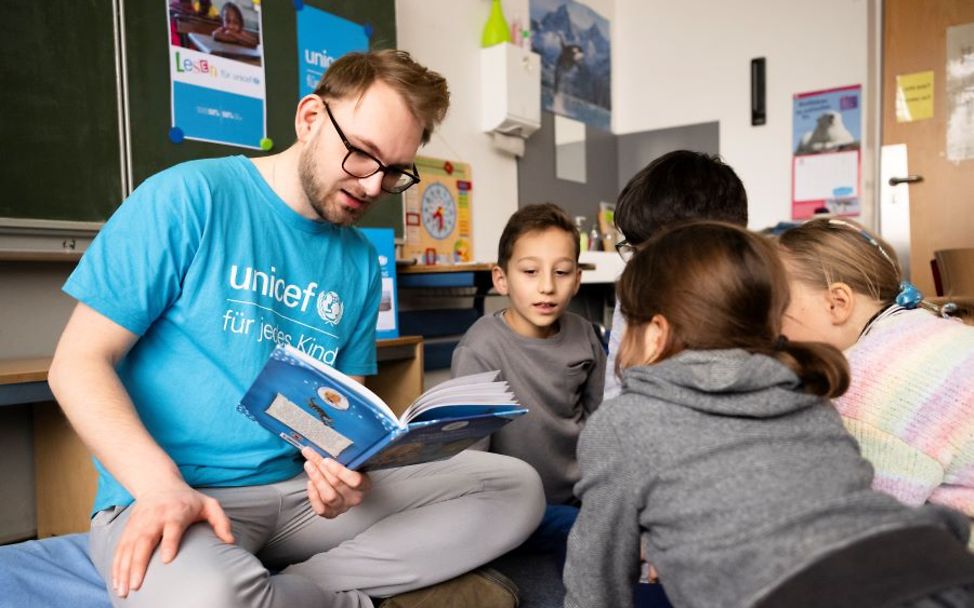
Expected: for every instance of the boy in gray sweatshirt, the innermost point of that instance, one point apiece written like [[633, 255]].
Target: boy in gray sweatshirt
[[551, 358], [725, 454]]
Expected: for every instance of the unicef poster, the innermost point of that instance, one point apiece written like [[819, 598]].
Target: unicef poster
[[216, 66], [323, 38], [826, 136], [436, 220], [576, 60]]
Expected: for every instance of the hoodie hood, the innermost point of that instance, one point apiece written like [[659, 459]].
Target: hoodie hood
[[722, 382]]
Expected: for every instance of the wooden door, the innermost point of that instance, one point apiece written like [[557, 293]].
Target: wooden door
[[942, 205]]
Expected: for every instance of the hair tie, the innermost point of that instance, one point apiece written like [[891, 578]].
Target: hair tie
[[909, 296], [781, 342]]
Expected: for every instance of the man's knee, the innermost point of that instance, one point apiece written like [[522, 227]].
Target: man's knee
[[520, 485], [213, 584]]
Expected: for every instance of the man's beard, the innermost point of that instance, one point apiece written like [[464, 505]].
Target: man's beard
[[316, 194]]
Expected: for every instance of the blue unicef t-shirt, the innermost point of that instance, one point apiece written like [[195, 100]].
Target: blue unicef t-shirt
[[211, 269]]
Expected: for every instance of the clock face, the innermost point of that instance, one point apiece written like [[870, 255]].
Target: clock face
[[439, 211]]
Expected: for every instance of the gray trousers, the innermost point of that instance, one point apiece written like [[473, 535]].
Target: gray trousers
[[419, 525]]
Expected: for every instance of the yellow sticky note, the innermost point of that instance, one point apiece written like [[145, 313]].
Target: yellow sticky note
[[914, 96]]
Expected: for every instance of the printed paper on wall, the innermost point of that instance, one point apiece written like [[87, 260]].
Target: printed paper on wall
[[216, 66]]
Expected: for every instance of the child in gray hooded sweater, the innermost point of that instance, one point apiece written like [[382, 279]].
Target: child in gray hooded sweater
[[725, 455]]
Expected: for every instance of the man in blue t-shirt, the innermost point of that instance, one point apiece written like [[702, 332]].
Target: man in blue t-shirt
[[182, 297]]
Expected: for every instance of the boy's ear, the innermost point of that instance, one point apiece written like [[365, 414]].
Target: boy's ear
[[500, 279], [578, 279], [309, 110], [841, 302]]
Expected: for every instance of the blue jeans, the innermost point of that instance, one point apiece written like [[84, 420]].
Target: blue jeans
[[551, 535]]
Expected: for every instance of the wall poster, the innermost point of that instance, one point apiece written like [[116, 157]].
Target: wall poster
[[216, 67], [323, 38], [826, 161], [576, 60], [960, 92]]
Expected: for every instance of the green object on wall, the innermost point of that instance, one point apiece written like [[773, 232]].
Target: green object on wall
[[495, 30]]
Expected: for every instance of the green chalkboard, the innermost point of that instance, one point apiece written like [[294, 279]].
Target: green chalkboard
[[63, 140], [59, 120]]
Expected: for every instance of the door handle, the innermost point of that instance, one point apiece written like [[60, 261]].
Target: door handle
[[909, 179]]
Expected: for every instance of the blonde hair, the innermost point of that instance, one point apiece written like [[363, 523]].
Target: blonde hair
[[425, 92], [720, 287], [824, 251]]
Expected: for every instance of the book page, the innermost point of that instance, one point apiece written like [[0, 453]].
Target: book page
[[480, 390]]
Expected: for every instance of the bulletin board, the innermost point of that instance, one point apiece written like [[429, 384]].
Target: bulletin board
[[84, 124]]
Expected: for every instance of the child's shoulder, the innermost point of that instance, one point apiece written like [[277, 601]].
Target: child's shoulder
[[485, 332]]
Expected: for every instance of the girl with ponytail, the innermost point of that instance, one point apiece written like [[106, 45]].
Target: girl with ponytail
[[724, 454]]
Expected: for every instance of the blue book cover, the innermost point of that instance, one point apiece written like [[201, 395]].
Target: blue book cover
[[308, 403]]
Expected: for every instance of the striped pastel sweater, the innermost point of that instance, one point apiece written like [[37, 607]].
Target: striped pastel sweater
[[911, 407]]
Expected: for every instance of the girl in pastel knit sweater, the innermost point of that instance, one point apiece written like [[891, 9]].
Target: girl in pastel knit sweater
[[910, 403], [725, 456]]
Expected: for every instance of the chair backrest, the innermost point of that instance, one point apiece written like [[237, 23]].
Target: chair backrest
[[956, 267]]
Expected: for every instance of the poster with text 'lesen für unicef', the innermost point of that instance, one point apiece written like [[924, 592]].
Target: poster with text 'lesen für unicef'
[[216, 65]]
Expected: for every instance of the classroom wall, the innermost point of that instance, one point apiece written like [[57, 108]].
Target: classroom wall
[[445, 35], [680, 63]]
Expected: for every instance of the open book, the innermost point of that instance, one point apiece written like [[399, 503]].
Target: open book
[[308, 403]]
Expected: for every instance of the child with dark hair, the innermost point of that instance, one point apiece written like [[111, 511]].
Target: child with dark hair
[[232, 27], [724, 453], [679, 186], [552, 358]]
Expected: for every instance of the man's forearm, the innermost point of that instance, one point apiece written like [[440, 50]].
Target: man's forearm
[[101, 412]]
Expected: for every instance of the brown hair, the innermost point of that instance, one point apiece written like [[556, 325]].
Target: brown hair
[[424, 91], [719, 287], [825, 251], [533, 218]]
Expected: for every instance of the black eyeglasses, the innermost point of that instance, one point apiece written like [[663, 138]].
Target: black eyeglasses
[[360, 164], [625, 250]]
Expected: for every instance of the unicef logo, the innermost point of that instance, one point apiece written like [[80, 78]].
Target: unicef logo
[[330, 307]]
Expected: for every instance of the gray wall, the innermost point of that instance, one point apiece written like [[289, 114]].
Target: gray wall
[[536, 181], [610, 161], [636, 150], [34, 313]]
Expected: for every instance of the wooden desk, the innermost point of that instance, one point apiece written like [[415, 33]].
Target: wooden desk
[[65, 478]]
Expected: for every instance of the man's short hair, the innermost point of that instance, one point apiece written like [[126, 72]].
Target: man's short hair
[[424, 91], [676, 187], [533, 218]]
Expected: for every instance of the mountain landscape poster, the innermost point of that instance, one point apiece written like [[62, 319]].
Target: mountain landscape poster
[[576, 60]]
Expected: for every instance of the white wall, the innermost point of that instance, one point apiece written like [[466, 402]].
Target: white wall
[[680, 63], [444, 35]]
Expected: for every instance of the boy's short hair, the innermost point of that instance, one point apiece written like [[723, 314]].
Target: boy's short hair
[[425, 92], [533, 218], [679, 186]]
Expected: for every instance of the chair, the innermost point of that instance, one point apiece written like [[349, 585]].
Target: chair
[[956, 268]]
